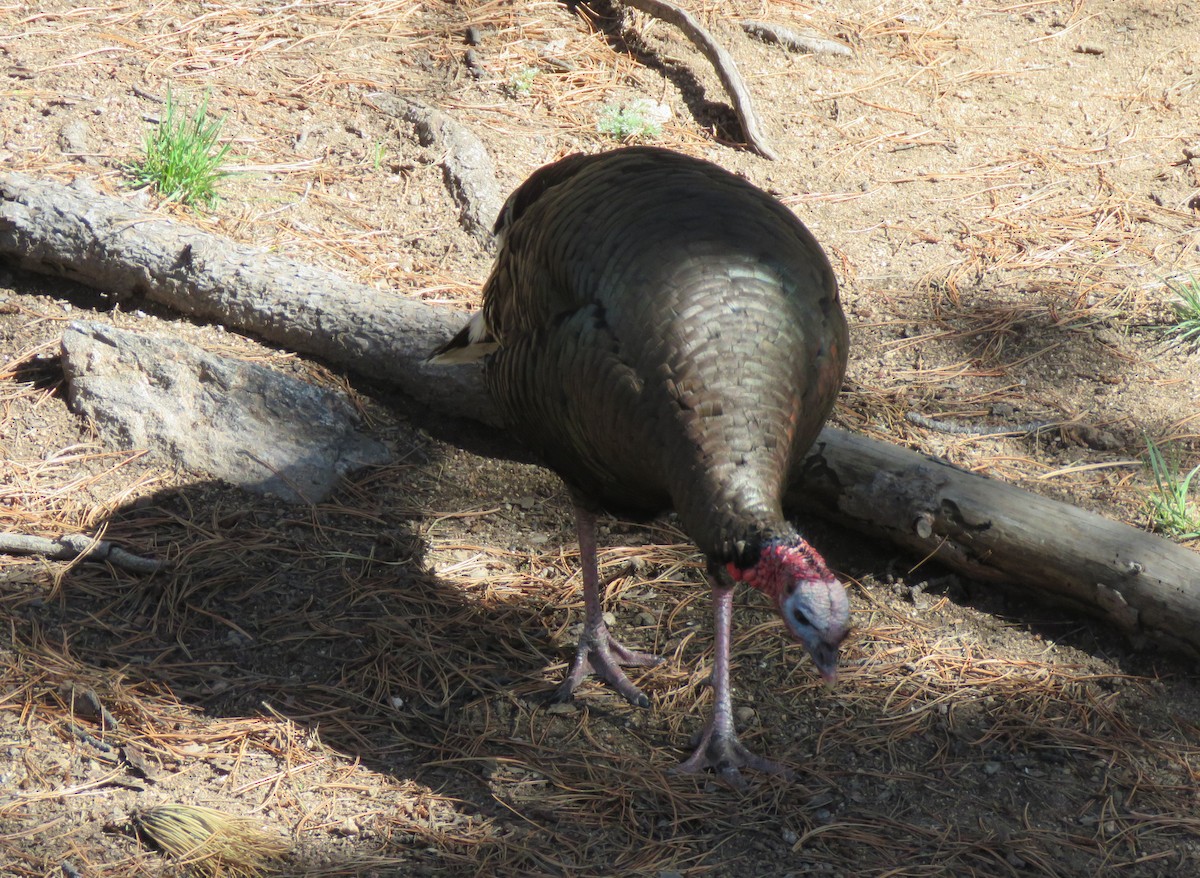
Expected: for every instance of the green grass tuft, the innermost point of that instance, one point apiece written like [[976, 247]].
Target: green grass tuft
[[1186, 327], [1170, 505], [520, 84], [637, 120], [182, 159]]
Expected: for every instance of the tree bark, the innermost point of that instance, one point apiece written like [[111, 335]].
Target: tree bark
[[994, 532], [106, 243], [1145, 585]]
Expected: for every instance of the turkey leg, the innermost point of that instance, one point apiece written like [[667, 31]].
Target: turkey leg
[[719, 747], [599, 652]]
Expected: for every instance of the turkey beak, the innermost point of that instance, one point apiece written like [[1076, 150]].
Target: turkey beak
[[825, 657]]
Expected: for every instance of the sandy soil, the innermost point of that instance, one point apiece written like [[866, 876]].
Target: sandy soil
[[1006, 190]]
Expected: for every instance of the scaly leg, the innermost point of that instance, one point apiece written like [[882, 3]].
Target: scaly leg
[[719, 747], [599, 652]]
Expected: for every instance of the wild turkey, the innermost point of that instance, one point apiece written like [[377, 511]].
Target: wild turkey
[[667, 336]]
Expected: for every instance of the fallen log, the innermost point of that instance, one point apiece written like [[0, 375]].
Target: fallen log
[[106, 243], [1146, 586], [993, 532]]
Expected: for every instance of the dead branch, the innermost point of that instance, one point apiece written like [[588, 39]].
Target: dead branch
[[943, 426], [70, 547], [769, 32], [466, 165], [721, 60], [989, 530]]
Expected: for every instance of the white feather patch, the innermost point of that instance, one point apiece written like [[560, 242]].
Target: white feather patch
[[472, 342]]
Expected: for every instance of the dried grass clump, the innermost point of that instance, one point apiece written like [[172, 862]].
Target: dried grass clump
[[211, 841]]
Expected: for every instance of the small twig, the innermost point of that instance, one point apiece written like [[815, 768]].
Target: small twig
[[1033, 427], [789, 39], [70, 547], [142, 93], [106, 749], [721, 60]]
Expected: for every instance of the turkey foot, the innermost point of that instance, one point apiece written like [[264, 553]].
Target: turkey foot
[[602, 654], [726, 755], [599, 652]]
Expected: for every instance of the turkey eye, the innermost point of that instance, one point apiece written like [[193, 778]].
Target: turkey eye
[[800, 618]]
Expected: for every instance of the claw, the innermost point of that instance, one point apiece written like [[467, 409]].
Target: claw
[[726, 755], [602, 655], [717, 746]]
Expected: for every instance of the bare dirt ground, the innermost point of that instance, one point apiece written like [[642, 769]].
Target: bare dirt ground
[[1003, 187]]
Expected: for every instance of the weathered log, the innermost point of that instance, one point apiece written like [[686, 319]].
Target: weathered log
[[106, 243], [279, 435], [1145, 585]]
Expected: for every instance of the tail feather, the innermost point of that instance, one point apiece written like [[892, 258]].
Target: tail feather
[[473, 342]]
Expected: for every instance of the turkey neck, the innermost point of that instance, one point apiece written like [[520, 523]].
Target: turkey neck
[[669, 337], [731, 403]]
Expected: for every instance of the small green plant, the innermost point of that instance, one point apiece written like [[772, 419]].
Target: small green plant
[[638, 120], [1170, 505], [520, 84], [182, 160], [1186, 327], [378, 154]]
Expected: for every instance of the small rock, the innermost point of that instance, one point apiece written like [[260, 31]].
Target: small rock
[[237, 421], [1101, 440], [745, 715], [636, 720], [561, 708], [73, 139]]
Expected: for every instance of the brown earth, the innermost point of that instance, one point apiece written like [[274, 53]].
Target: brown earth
[[1004, 187]]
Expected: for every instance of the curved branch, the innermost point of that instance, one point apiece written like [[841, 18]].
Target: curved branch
[[721, 60]]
